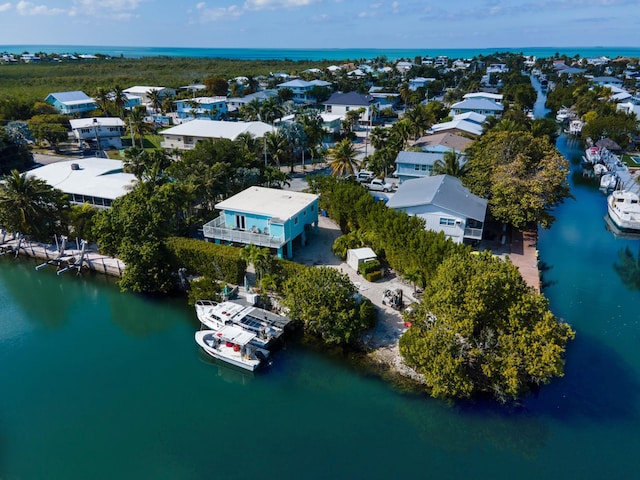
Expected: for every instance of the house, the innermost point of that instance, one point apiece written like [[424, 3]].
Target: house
[[419, 82], [404, 67], [466, 123], [235, 103], [341, 103], [211, 107], [410, 165], [187, 135], [96, 181], [494, 97], [442, 142], [102, 132], [302, 89], [266, 217], [143, 92], [497, 68], [444, 204], [71, 103], [607, 81], [481, 105], [630, 108]]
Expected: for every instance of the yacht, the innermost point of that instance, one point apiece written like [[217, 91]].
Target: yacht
[[624, 210], [232, 345], [266, 326]]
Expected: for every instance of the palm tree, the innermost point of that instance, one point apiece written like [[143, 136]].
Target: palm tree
[[271, 110], [276, 178], [138, 126], [260, 258], [250, 146], [343, 158], [155, 99], [119, 99], [102, 99], [251, 111], [278, 147], [451, 164], [30, 206]]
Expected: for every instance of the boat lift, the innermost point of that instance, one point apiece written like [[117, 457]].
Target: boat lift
[[77, 264], [57, 260]]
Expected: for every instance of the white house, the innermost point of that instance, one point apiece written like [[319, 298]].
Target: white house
[[466, 123], [497, 68], [341, 103], [143, 91], [357, 256], [481, 105], [494, 97], [187, 135], [419, 82], [235, 103], [97, 181], [102, 132], [630, 108], [444, 204]]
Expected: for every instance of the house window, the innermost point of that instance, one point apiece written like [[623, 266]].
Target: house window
[[240, 222], [424, 168], [295, 221], [448, 222], [346, 109], [416, 167]]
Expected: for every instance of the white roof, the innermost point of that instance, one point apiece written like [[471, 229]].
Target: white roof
[[219, 129], [362, 253], [236, 335], [492, 96], [474, 117], [141, 89], [330, 117], [271, 202], [464, 125], [99, 121], [96, 177]]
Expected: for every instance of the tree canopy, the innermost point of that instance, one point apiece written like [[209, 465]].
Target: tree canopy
[[523, 177], [480, 330], [326, 302]]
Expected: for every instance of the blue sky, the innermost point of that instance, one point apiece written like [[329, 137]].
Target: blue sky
[[322, 23]]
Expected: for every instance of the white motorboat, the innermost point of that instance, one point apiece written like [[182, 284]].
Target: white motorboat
[[624, 209], [600, 169], [592, 154], [266, 326], [232, 345], [608, 181]]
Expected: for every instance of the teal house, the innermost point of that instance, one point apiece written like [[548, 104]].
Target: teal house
[[71, 103], [266, 217]]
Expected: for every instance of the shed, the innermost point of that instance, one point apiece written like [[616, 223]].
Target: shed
[[357, 256]]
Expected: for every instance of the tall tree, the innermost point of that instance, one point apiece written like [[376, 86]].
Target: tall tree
[[155, 99], [343, 158], [30, 206], [452, 163], [278, 147], [523, 177], [480, 329], [119, 99]]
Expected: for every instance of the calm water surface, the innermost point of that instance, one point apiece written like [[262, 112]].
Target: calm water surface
[[99, 384]]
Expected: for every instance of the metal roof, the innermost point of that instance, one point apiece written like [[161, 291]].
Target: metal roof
[[419, 158], [96, 177], [350, 98], [95, 121], [71, 98], [444, 191], [270, 202], [219, 129], [478, 104]]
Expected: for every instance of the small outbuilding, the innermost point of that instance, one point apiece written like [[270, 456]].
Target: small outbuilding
[[357, 256]]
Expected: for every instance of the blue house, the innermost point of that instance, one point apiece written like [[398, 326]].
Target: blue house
[[71, 103], [411, 165], [266, 217], [210, 107]]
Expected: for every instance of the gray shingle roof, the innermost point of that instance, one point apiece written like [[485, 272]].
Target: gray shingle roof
[[350, 98], [444, 191]]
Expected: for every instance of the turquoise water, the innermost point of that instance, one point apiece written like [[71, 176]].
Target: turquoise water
[[99, 384], [318, 54]]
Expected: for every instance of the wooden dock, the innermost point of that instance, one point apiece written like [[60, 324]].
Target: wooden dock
[[91, 260], [524, 255]]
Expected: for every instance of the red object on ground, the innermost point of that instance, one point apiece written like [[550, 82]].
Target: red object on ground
[[407, 324], [229, 344]]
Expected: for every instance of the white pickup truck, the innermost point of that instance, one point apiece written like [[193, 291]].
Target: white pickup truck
[[378, 185]]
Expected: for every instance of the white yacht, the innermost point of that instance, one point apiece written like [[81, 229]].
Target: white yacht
[[266, 326], [232, 344], [624, 209]]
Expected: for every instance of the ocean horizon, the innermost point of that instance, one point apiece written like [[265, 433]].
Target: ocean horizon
[[316, 54]]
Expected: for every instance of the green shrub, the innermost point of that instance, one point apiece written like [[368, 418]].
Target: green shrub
[[204, 288], [218, 262], [369, 266], [373, 276]]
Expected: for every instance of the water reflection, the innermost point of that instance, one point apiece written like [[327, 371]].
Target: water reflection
[[134, 319], [228, 373], [628, 268]]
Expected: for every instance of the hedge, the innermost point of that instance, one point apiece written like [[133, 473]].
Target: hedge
[[220, 262]]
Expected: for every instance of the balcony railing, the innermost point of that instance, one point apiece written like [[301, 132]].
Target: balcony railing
[[217, 229], [473, 233]]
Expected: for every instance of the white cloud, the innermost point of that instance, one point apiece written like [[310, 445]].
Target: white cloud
[[28, 8], [5, 6], [115, 9], [264, 4], [206, 14]]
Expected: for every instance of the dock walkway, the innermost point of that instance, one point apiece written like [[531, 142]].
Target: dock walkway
[[524, 255]]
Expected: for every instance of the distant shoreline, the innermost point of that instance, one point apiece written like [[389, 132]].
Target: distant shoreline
[[316, 54]]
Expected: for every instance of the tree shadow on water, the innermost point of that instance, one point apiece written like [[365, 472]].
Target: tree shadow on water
[[598, 386], [628, 268]]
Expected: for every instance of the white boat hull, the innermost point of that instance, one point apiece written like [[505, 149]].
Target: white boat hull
[[624, 210], [230, 354]]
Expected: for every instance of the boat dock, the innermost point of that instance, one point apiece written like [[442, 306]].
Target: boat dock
[[77, 257], [524, 255]]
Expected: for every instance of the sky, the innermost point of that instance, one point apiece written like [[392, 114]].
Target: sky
[[322, 23]]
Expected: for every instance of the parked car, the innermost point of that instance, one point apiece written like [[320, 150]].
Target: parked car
[[378, 185], [364, 176]]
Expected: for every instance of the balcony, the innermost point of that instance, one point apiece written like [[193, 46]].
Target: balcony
[[473, 233], [217, 230]]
